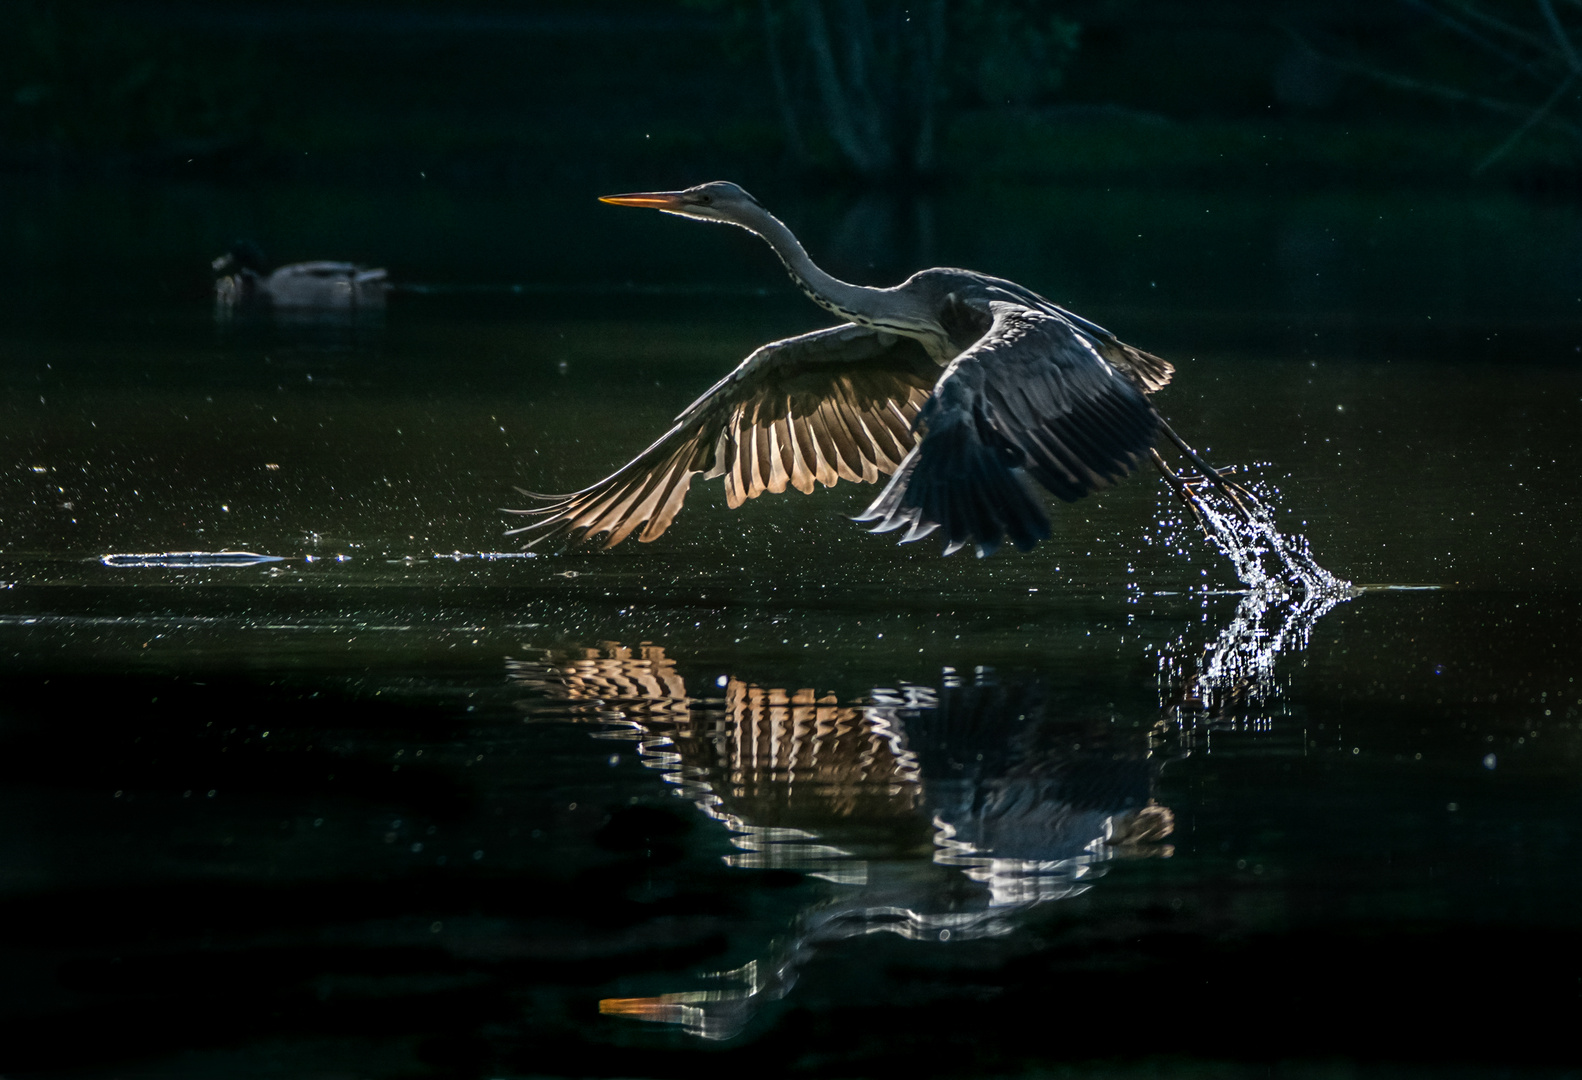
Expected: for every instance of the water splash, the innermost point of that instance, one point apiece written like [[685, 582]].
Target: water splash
[[1240, 523], [1287, 593]]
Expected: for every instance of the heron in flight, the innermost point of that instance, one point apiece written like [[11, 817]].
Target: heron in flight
[[955, 384]]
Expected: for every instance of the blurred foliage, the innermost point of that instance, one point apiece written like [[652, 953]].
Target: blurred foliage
[[999, 51], [875, 75], [625, 91], [1011, 52], [82, 77], [1516, 60]]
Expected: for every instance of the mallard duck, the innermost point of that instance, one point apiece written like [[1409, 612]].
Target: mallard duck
[[244, 282]]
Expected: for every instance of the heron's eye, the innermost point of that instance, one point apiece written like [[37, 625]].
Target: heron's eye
[[706, 200]]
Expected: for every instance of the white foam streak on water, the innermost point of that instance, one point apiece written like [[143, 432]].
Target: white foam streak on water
[[189, 559]]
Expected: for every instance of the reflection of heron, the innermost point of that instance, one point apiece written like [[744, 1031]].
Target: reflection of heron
[[1027, 387], [944, 813], [940, 813], [244, 281]]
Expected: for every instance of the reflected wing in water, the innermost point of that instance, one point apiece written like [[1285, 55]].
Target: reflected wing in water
[[1029, 800], [610, 681], [780, 769], [832, 405]]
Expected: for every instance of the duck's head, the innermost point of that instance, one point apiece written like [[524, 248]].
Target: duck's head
[[242, 255], [718, 200]]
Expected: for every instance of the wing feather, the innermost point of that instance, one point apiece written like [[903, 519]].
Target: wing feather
[[863, 451], [779, 475], [739, 479], [890, 449], [824, 448], [671, 506], [804, 461], [846, 455]]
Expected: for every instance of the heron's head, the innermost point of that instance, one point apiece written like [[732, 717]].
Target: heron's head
[[719, 200]]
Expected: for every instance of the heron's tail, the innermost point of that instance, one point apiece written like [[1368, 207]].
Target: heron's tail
[[954, 481]]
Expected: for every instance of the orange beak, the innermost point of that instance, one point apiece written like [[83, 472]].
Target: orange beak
[[654, 200]]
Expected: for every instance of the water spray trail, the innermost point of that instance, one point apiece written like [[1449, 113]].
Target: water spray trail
[[1287, 593], [1264, 558]]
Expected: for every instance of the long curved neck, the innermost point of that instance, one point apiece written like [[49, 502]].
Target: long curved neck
[[885, 309]]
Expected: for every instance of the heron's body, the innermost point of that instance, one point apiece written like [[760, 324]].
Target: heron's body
[[955, 383]]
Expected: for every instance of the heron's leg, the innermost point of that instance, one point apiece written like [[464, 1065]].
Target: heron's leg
[[1299, 566], [1237, 494], [1183, 490]]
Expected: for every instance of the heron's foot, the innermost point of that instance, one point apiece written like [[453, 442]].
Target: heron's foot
[[1246, 503]]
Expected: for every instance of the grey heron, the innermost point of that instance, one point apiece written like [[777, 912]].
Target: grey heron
[[953, 383]]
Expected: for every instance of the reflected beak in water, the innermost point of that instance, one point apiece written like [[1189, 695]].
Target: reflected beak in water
[[664, 1009], [654, 200]]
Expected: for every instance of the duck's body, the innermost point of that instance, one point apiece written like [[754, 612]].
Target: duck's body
[[955, 382], [332, 286]]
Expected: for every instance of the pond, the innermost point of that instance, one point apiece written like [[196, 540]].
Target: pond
[[773, 793]]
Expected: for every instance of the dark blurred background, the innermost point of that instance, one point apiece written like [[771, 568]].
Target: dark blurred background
[[1418, 156], [1426, 92]]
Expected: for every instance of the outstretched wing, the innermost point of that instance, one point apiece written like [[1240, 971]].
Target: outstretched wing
[[1033, 394], [836, 404]]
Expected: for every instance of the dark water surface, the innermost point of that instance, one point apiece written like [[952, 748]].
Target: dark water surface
[[774, 794]]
